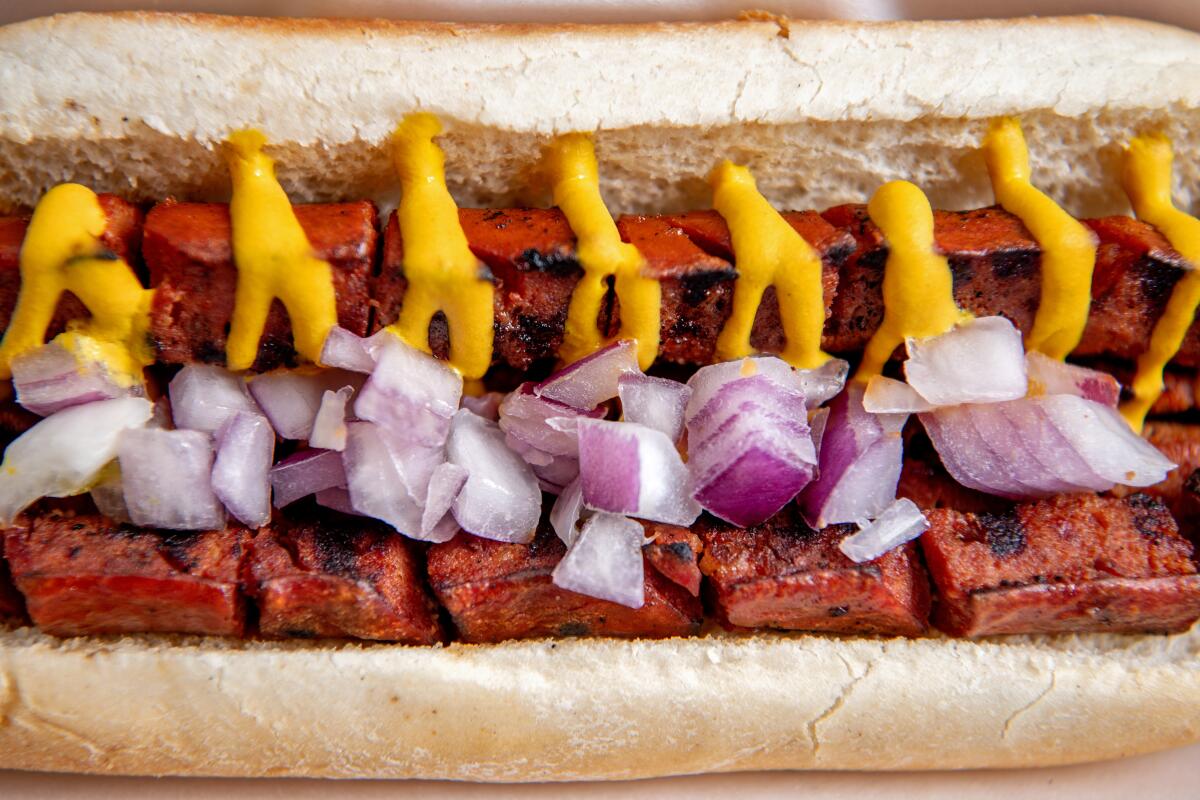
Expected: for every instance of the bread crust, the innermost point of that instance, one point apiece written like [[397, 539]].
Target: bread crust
[[587, 709]]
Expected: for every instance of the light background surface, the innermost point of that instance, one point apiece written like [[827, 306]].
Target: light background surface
[[1173, 774]]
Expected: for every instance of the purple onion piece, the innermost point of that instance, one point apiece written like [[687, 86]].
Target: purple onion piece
[[567, 511], [410, 394], [167, 480], [605, 561], [889, 396], [899, 523], [345, 350], [336, 498], [444, 485], [374, 483], [51, 378], [654, 402], [241, 470], [592, 380], [486, 405], [501, 499], [306, 472], [631, 469], [524, 419], [553, 477], [203, 397], [946, 370], [1051, 376], [752, 487]]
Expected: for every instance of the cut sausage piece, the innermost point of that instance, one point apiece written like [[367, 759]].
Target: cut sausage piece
[[122, 237], [783, 574], [1179, 491], [318, 573], [84, 574], [496, 591], [675, 553], [1071, 563], [189, 255]]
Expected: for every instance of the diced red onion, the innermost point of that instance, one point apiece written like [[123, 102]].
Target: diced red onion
[[292, 398], [329, 426], [821, 384], [605, 561], [628, 468], [109, 495], [501, 499], [410, 394], [51, 378], [557, 474], [654, 402], [743, 395], [890, 396], [240, 473], [374, 483], [62, 454], [486, 405], [1039, 446], [167, 479], [444, 485], [814, 385], [861, 457], [337, 498], [306, 472], [899, 523], [978, 361], [204, 396], [591, 380], [567, 511], [525, 420], [1051, 376], [345, 350]]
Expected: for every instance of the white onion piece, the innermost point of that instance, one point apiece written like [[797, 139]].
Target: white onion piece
[[344, 350], [1039, 446], [1051, 376], [306, 472], [815, 385], [567, 511], [374, 483], [823, 383], [291, 399], [167, 479], [890, 396], [62, 453], [817, 421], [593, 379], [51, 378], [654, 402], [204, 396], [329, 425], [605, 561], [445, 483], [240, 473], [486, 405], [861, 458], [410, 394], [337, 498], [978, 361], [501, 499], [109, 494], [628, 468], [899, 523]]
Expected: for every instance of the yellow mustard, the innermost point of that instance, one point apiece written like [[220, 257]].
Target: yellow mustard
[[768, 252], [1147, 181], [62, 252], [1068, 247], [918, 288], [274, 259], [576, 180], [442, 272]]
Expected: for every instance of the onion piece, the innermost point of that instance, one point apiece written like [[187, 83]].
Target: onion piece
[[605, 561], [344, 350], [486, 405], [978, 361], [109, 494], [861, 458], [815, 385], [567, 511], [890, 396], [553, 477], [1039, 446], [167, 479], [445, 483], [63, 453], [329, 425], [755, 393], [410, 394], [203, 397], [501, 499], [291, 399], [593, 379], [337, 498], [373, 481], [51, 378], [899, 523], [1051, 376], [241, 471], [654, 402], [628, 468], [525, 420], [306, 472]]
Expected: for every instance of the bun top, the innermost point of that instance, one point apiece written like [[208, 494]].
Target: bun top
[[136, 102]]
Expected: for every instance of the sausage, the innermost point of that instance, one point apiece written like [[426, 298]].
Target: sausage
[[1070, 563], [122, 237], [1180, 443], [12, 605], [783, 574], [325, 574], [189, 256], [675, 553], [85, 574], [496, 591]]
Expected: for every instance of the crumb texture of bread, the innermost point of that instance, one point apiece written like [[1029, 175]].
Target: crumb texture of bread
[[137, 104]]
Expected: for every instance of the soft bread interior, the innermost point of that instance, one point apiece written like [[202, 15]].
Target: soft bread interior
[[137, 104]]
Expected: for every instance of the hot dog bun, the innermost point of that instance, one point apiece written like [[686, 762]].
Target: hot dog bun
[[135, 104]]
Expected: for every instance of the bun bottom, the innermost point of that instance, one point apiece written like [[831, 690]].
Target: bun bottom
[[588, 708]]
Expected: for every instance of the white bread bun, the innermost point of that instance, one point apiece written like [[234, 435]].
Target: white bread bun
[[589, 709], [135, 103]]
